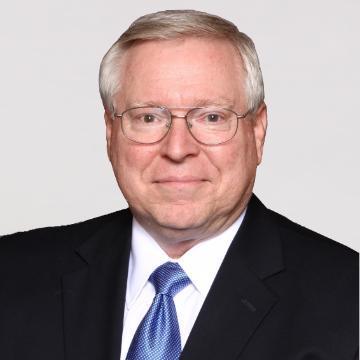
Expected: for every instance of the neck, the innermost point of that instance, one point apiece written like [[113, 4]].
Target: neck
[[176, 242], [177, 251]]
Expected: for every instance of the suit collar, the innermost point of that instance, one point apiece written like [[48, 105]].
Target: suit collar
[[258, 242], [237, 304], [239, 300], [94, 294], [114, 236]]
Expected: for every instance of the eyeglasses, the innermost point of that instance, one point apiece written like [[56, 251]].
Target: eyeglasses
[[207, 125]]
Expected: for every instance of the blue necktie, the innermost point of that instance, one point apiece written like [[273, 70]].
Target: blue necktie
[[158, 335]]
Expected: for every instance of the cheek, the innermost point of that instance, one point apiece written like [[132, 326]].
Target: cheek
[[130, 161], [127, 166], [239, 168]]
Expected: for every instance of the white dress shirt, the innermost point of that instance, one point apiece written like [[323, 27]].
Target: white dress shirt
[[201, 264]]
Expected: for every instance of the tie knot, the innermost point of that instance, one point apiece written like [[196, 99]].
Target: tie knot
[[169, 279]]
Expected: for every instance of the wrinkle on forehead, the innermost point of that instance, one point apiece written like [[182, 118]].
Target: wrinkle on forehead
[[223, 102], [186, 73]]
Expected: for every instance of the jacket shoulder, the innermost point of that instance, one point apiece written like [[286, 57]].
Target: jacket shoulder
[[324, 284], [64, 235], [307, 241], [321, 265], [52, 248]]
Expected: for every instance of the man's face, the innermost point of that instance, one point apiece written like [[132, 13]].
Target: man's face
[[179, 189]]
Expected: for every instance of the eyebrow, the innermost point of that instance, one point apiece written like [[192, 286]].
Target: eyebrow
[[221, 102]]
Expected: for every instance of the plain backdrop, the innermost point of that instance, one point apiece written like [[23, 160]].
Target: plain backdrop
[[53, 164]]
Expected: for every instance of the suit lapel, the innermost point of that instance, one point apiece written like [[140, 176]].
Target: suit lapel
[[237, 304], [94, 294], [238, 301]]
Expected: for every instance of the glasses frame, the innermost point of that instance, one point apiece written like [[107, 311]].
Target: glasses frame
[[120, 116]]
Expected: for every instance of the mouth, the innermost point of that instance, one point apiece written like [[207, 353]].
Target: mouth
[[180, 181]]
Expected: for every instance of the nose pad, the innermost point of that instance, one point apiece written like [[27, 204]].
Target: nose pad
[[169, 123], [188, 124], [179, 143]]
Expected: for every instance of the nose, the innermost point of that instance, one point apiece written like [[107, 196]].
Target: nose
[[179, 143]]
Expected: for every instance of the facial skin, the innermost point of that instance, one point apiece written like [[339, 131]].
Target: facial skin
[[181, 191]]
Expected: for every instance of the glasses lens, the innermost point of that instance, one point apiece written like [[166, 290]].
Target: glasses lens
[[145, 124], [212, 125]]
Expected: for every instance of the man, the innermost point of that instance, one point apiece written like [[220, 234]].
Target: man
[[197, 268]]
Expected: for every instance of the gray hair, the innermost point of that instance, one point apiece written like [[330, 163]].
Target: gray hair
[[175, 24]]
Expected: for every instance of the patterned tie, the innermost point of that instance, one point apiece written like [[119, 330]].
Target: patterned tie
[[158, 335]]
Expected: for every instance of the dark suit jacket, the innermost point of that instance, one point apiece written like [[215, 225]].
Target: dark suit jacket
[[282, 293]]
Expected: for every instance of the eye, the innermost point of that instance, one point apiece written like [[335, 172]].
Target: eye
[[148, 118], [213, 118]]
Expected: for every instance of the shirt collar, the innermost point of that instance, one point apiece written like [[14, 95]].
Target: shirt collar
[[146, 255], [202, 262]]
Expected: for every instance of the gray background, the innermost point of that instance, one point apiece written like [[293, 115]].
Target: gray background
[[54, 168]]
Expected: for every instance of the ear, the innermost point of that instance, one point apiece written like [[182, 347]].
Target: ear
[[260, 126], [109, 129]]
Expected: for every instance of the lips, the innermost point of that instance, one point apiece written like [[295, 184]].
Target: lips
[[179, 179], [180, 182]]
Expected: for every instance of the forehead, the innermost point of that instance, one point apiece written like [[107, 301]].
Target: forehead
[[182, 72]]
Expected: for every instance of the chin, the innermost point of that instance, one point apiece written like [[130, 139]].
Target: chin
[[175, 218]]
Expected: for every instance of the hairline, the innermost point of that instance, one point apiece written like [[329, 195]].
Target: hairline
[[128, 46], [111, 67]]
